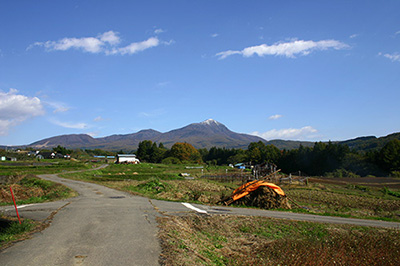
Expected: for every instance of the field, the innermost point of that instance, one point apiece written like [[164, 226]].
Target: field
[[163, 182], [237, 240], [27, 188]]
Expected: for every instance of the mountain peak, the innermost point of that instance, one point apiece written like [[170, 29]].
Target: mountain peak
[[210, 122]]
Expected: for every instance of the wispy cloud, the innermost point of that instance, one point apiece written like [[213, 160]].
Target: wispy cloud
[[303, 133], [69, 124], [136, 47], [58, 107], [158, 31], [354, 36], [152, 113], [163, 83], [286, 49], [214, 35], [92, 134], [16, 108], [107, 43], [274, 117], [98, 119], [395, 57]]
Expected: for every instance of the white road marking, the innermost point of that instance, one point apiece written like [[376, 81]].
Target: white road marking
[[23, 206], [190, 206]]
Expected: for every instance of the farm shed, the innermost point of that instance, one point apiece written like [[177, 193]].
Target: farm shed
[[127, 158]]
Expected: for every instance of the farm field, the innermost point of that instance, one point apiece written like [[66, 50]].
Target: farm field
[[239, 240], [163, 182], [27, 188]]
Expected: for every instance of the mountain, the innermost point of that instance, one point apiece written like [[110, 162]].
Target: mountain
[[370, 142], [73, 140], [206, 134]]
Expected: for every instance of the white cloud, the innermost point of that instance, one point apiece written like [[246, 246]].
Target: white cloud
[[274, 117], [288, 49], [92, 134], [69, 125], [214, 35], [158, 31], [110, 37], [163, 83], [153, 113], [58, 107], [168, 42], [225, 54], [136, 47], [354, 36], [16, 108], [98, 119], [106, 43], [89, 44], [395, 57], [303, 133]]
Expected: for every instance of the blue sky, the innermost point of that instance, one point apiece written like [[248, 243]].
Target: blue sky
[[298, 70]]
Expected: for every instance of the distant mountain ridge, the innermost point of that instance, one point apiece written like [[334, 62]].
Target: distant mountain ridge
[[206, 134]]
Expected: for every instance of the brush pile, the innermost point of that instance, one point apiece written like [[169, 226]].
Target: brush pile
[[265, 198]]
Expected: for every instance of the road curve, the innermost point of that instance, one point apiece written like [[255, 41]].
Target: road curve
[[101, 226]]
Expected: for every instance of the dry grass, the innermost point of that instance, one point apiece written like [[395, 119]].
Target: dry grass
[[346, 201], [30, 189], [236, 240]]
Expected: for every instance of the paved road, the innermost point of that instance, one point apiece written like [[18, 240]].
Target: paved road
[[179, 209], [103, 226]]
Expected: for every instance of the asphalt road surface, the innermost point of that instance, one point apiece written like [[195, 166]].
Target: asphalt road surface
[[103, 226]]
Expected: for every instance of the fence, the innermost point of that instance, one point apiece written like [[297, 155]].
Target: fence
[[229, 178]]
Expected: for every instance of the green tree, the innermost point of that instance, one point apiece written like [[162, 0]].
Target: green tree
[[258, 152], [390, 156], [145, 150], [185, 152], [62, 150]]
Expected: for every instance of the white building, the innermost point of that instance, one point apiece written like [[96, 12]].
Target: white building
[[127, 158]]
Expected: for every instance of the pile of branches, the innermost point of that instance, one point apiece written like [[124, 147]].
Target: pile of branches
[[265, 198]]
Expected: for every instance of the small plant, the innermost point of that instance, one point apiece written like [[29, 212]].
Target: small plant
[[154, 186], [395, 174], [387, 191], [14, 229]]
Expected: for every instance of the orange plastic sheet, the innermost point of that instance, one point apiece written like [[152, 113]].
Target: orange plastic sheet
[[253, 185]]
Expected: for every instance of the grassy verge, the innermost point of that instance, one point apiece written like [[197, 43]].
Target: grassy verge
[[347, 201], [30, 189], [11, 230], [237, 240], [12, 170]]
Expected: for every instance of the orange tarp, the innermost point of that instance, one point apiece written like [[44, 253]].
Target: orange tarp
[[251, 186]]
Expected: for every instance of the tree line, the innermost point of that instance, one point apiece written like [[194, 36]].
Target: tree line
[[330, 159]]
